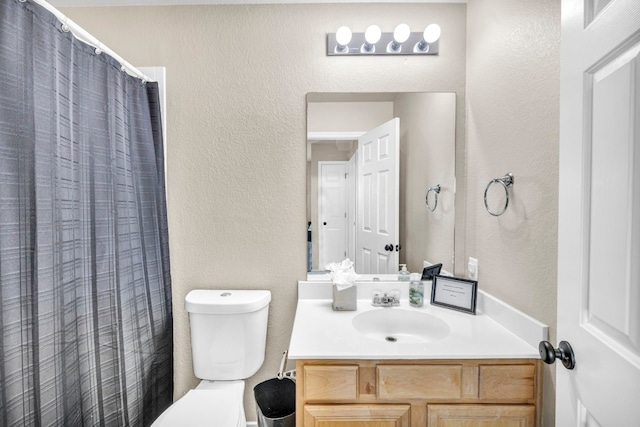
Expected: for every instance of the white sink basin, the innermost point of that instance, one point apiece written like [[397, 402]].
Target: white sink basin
[[396, 325]]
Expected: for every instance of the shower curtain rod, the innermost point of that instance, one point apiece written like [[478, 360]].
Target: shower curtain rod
[[82, 35]]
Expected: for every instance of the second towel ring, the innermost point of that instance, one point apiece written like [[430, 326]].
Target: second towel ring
[[506, 181], [436, 191]]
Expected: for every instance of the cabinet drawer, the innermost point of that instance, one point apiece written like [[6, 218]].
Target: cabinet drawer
[[507, 382], [419, 381], [331, 382], [356, 415], [481, 416]]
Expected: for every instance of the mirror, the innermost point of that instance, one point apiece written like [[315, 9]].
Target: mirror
[[339, 192]]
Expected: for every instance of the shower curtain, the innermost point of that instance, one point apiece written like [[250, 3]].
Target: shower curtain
[[85, 294]]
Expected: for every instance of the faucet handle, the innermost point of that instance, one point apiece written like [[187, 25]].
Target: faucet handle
[[377, 297], [394, 295]]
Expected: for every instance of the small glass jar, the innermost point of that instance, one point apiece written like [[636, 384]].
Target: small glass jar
[[416, 291]]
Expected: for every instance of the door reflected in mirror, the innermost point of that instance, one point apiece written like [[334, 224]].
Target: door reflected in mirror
[[371, 158]]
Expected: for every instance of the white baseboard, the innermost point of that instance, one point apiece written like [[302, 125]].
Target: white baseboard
[[252, 423]]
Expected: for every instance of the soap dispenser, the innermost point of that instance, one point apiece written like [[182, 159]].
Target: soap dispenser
[[403, 274], [416, 291]]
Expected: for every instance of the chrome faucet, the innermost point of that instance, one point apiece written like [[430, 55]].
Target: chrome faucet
[[390, 299]]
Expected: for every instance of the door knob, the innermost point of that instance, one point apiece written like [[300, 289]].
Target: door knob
[[564, 352], [388, 247]]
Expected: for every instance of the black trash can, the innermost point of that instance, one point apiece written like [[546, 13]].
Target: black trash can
[[276, 403]]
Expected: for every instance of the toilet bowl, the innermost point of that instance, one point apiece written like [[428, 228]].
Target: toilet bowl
[[228, 339], [211, 403]]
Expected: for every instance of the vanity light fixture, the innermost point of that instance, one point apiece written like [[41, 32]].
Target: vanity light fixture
[[375, 42]]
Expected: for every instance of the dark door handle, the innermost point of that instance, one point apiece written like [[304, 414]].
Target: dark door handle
[[388, 247], [564, 353], [324, 223], [398, 248]]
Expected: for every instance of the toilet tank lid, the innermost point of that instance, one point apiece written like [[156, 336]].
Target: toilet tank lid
[[215, 301]]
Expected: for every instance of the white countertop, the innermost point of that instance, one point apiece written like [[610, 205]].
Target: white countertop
[[321, 333]]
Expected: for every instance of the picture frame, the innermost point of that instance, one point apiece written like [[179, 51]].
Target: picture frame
[[429, 272], [454, 293]]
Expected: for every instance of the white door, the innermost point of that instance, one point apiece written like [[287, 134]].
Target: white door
[[378, 200], [599, 213], [332, 208], [352, 190]]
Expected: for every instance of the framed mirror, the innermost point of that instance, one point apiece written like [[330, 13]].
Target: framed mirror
[[347, 202]]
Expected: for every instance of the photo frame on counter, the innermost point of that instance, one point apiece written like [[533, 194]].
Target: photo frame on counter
[[429, 272], [454, 293]]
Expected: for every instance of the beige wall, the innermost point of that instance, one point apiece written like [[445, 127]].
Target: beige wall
[[347, 116], [237, 77], [513, 84], [427, 158]]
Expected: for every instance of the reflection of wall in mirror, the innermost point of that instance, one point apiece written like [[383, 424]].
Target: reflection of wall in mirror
[[427, 157], [336, 117]]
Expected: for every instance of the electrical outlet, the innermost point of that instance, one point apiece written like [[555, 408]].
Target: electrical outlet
[[472, 268]]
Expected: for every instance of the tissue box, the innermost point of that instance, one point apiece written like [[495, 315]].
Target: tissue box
[[346, 299]]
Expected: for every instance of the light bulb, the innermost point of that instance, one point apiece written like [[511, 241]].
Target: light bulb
[[343, 36], [432, 33], [371, 37], [401, 33], [372, 34]]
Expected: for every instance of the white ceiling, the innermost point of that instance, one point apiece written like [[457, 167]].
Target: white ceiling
[[92, 3]]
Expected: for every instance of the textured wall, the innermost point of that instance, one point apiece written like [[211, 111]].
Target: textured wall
[[237, 77], [513, 60]]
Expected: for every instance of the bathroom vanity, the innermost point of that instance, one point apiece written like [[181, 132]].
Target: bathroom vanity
[[466, 371], [418, 392]]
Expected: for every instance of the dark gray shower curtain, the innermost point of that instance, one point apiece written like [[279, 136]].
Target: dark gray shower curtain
[[85, 292]]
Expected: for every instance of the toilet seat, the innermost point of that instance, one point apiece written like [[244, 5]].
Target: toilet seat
[[212, 403]]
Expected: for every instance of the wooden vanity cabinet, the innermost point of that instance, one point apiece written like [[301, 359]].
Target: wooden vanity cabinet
[[418, 393]]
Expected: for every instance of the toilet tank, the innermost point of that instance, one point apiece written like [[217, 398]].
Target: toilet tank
[[228, 332]]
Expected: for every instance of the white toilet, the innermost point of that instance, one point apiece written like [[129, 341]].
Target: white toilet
[[228, 337]]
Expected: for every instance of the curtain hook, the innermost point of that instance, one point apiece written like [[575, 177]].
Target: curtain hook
[[64, 26]]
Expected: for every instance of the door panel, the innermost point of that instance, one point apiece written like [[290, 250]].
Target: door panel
[[612, 307], [332, 208], [599, 213]]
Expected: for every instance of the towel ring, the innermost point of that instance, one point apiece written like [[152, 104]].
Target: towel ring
[[506, 181], [436, 191]]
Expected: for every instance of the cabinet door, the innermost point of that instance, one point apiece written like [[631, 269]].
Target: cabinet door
[[481, 416], [419, 381], [508, 383], [356, 416], [330, 382]]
